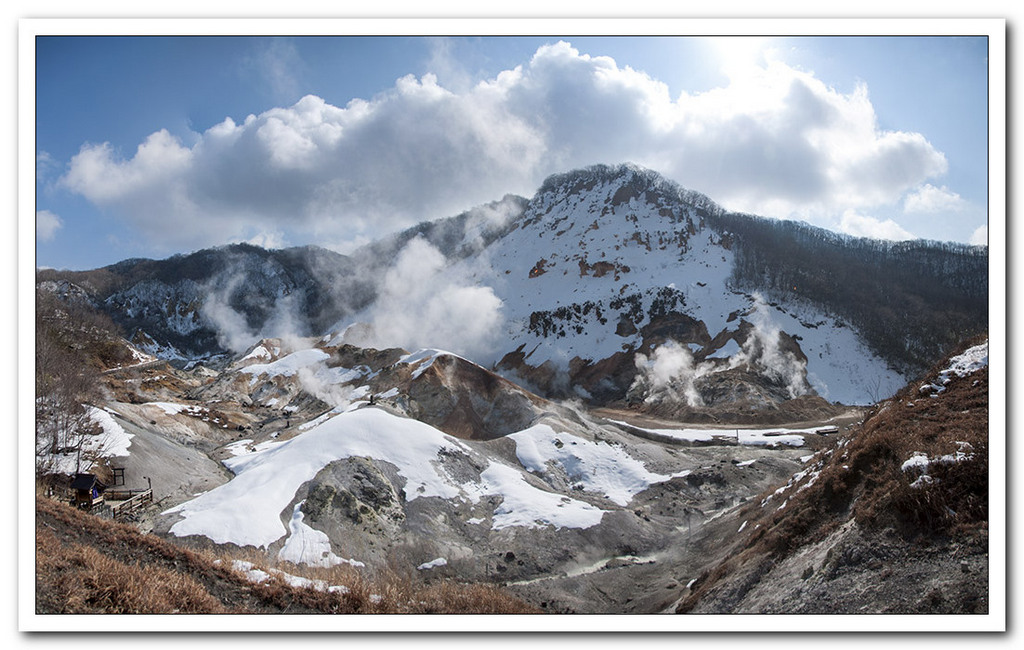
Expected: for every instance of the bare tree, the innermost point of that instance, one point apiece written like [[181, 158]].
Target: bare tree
[[65, 384]]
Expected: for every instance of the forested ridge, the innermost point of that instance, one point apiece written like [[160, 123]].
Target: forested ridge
[[912, 301]]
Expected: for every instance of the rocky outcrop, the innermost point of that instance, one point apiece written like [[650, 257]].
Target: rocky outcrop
[[467, 401]]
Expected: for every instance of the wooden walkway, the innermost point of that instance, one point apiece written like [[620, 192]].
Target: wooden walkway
[[124, 502]]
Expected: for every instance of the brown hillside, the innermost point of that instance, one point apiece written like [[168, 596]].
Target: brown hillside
[[861, 509], [89, 565]]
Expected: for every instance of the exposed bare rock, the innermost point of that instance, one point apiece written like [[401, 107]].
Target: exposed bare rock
[[467, 401]]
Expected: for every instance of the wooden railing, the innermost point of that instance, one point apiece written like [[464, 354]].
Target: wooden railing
[[123, 495], [133, 500]]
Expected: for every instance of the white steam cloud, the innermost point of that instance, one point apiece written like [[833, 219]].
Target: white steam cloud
[[763, 350], [233, 332], [231, 327], [670, 374], [423, 305], [320, 382], [489, 218]]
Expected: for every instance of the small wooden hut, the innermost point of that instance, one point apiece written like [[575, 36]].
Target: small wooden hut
[[88, 491]]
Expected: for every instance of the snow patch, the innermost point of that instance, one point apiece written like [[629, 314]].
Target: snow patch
[[170, 408], [600, 468], [970, 361], [114, 441], [245, 447], [258, 352], [306, 545], [424, 358], [258, 576], [530, 507], [289, 365], [432, 564], [920, 462]]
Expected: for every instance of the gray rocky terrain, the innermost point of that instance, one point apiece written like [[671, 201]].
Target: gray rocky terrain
[[638, 558]]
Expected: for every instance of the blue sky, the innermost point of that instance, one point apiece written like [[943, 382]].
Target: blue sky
[[149, 146]]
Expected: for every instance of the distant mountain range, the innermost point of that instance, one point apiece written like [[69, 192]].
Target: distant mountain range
[[612, 284]]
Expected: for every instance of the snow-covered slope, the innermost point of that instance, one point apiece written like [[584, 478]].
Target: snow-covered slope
[[246, 510], [603, 258], [612, 284], [369, 479]]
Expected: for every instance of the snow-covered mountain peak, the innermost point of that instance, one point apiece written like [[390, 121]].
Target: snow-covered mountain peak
[[575, 290], [610, 264], [630, 201], [625, 180]]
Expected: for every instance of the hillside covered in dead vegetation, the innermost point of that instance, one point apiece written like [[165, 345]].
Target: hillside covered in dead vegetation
[[894, 519], [89, 565]]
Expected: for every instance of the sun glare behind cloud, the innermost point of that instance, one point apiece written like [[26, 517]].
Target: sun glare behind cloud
[[740, 56]]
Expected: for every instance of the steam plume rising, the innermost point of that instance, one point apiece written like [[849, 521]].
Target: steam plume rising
[[422, 306], [671, 374], [763, 350]]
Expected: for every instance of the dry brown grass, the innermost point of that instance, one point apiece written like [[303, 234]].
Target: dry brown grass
[[85, 564], [864, 479], [394, 591], [448, 596], [85, 581]]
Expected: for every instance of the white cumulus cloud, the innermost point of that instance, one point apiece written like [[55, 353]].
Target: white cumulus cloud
[[860, 225], [775, 141], [980, 236], [930, 199], [47, 225]]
